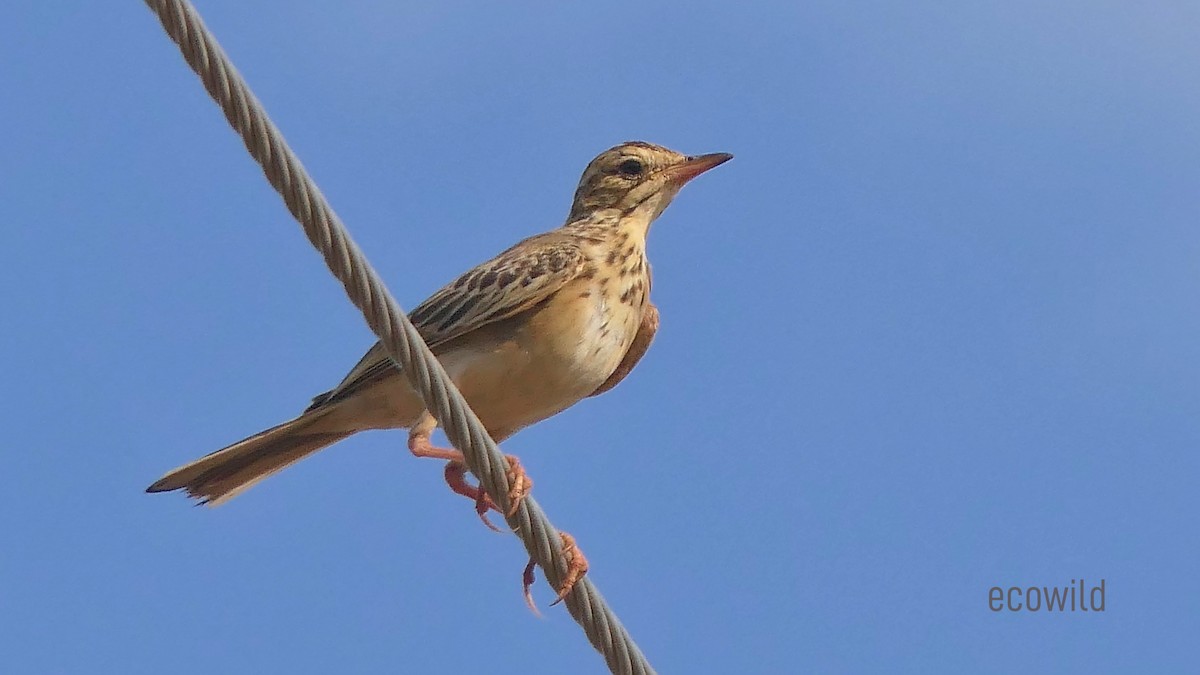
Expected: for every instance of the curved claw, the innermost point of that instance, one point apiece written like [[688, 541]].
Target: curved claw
[[456, 477], [577, 567], [527, 580]]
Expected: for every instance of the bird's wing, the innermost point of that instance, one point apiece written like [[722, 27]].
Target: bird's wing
[[508, 284], [512, 282], [637, 349]]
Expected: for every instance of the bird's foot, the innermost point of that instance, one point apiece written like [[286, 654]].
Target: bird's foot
[[577, 566], [519, 483], [456, 478]]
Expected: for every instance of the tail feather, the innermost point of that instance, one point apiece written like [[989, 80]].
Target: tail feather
[[224, 474]]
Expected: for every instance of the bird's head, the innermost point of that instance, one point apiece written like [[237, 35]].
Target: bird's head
[[637, 179]]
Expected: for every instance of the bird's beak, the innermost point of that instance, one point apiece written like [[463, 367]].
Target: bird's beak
[[694, 166]]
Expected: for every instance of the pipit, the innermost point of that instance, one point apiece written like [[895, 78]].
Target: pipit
[[559, 317]]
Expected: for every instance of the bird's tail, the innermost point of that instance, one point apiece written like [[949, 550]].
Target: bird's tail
[[224, 474]]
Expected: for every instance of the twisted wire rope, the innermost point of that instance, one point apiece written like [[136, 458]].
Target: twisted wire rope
[[404, 345]]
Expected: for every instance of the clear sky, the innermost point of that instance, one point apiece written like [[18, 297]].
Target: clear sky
[[935, 329]]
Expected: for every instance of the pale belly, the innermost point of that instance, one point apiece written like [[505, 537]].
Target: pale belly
[[520, 371], [532, 369]]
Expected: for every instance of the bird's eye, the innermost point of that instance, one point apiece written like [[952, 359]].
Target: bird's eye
[[631, 167]]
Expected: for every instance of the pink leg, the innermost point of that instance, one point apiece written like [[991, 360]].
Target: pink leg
[[456, 471]]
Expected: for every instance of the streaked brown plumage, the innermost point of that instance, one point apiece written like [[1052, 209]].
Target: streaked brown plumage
[[560, 316]]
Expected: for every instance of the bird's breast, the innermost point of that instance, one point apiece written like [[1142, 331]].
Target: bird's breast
[[588, 332], [550, 359]]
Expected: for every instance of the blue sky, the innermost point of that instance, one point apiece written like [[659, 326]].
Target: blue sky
[[935, 329]]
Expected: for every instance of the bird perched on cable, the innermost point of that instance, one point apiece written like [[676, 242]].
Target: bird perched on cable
[[559, 317]]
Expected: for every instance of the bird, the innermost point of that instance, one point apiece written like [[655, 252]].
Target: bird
[[556, 318]]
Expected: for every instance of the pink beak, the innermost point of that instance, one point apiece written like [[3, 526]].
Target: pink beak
[[694, 166]]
